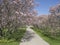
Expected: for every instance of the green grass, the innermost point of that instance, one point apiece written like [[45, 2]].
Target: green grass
[[46, 38], [12, 41]]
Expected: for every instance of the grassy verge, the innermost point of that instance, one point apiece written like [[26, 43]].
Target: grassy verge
[[12, 43], [17, 35], [46, 38]]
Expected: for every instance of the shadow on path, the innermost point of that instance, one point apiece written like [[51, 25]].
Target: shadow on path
[[28, 35]]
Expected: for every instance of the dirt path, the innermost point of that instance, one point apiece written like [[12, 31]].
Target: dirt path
[[31, 38]]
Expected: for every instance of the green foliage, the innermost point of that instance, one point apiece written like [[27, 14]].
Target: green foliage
[[18, 34], [52, 33], [12, 43], [50, 40], [15, 36]]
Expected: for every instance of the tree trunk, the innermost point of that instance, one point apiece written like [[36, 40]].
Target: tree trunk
[[1, 32]]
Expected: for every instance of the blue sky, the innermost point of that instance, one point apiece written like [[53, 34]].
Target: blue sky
[[44, 5]]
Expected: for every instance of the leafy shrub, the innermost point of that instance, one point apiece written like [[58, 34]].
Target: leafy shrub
[[50, 32], [15, 36]]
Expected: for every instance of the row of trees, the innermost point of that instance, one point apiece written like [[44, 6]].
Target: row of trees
[[50, 24], [54, 21], [15, 14]]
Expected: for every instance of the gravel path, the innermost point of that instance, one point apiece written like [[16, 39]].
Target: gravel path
[[31, 38]]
